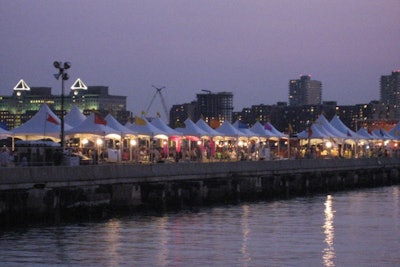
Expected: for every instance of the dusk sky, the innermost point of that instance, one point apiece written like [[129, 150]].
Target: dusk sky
[[249, 48]]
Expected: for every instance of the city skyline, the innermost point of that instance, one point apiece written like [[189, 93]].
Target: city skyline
[[251, 49]]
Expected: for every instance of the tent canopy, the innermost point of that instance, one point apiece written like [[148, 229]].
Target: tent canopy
[[158, 123], [191, 129], [93, 125], [74, 117], [44, 124], [211, 132], [123, 131], [145, 129]]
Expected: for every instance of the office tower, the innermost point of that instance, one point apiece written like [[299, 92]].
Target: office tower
[[390, 93], [305, 91], [215, 107]]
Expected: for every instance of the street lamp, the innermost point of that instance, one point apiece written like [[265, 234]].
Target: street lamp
[[64, 76]]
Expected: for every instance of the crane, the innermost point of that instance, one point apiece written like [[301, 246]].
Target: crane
[[158, 92]]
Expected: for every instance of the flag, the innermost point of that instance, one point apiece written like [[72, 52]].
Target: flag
[[290, 128], [268, 127], [52, 119], [99, 120], [158, 114], [309, 132], [139, 121], [214, 123]]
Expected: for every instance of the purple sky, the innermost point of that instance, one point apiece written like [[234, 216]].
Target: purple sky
[[250, 48]]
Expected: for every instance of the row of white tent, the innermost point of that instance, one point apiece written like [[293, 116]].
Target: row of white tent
[[45, 124], [335, 129]]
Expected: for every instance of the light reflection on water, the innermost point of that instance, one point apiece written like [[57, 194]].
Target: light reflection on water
[[356, 228], [329, 231]]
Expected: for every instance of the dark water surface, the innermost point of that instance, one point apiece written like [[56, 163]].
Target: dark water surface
[[355, 228]]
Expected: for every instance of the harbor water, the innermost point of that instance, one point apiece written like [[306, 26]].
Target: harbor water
[[351, 228]]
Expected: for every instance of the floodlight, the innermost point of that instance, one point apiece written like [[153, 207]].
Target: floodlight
[[67, 65], [57, 64], [65, 76]]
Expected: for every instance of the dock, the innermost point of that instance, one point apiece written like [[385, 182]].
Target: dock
[[58, 193]]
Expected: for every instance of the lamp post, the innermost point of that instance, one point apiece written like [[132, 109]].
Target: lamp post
[[62, 67]]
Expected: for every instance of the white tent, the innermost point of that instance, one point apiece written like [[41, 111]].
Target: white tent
[[364, 133], [382, 134], [269, 127], [93, 125], [329, 129], [246, 132], [123, 131], [313, 132], [191, 129], [4, 133], [211, 132], [157, 122], [260, 130], [74, 117], [44, 124], [226, 129], [340, 126], [145, 129]]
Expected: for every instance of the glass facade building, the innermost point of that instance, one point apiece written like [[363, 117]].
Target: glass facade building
[[25, 101]]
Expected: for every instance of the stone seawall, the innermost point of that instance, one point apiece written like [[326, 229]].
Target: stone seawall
[[54, 194]]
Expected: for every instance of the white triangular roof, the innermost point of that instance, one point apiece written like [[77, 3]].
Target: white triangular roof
[[160, 124], [74, 117], [382, 134], [147, 129], [44, 124], [329, 129], [340, 126], [258, 129], [364, 133], [21, 85], [205, 127], [191, 129], [269, 127], [315, 133], [4, 133], [246, 132], [227, 129], [78, 84], [113, 123], [375, 134], [89, 126]]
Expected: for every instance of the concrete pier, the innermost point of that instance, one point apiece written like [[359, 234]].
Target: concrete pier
[[57, 193]]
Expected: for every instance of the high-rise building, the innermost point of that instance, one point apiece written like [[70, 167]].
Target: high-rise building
[[179, 113], [305, 91], [214, 107], [390, 93]]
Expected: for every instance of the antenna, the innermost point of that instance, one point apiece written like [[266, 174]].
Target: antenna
[[158, 92]]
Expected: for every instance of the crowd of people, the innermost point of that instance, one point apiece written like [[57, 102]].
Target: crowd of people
[[191, 152]]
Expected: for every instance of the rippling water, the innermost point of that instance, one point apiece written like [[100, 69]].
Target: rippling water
[[356, 228]]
